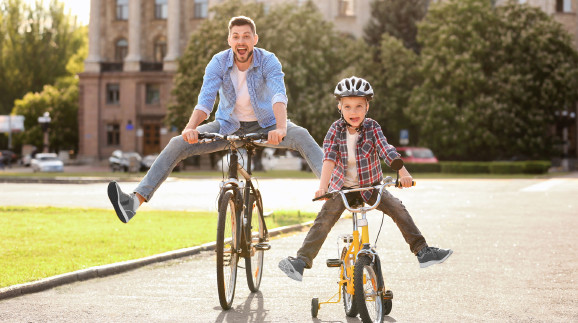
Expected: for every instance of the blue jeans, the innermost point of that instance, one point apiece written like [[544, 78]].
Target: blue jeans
[[298, 138]]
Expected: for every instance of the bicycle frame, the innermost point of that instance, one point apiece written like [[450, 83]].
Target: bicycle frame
[[245, 188], [358, 244]]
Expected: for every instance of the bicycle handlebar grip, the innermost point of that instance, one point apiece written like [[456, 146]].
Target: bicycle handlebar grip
[[326, 195]]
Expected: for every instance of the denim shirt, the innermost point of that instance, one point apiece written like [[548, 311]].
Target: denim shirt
[[264, 80]]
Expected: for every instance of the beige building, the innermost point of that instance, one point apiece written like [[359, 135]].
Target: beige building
[[133, 50]]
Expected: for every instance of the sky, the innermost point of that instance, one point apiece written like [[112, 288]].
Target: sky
[[79, 8]]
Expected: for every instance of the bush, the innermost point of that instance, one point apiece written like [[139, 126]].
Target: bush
[[506, 167], [537, 166], [423, 168], [465, 167]]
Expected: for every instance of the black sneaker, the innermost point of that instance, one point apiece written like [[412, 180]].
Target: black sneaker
[[293, 267], [431, 255], [124, 204]]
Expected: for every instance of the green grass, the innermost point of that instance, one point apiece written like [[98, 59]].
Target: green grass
[[39, 242]]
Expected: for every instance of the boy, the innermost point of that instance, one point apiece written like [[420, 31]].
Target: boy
[[352, 148]]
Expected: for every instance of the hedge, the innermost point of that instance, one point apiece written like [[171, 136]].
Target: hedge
[[502, 167]]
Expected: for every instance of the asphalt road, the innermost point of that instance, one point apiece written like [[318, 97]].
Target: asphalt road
[[515, 259]]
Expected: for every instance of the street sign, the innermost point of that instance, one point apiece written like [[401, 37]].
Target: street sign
[[404, 137]]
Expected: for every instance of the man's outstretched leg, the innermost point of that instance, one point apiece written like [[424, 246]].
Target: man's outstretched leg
[[176, 150]]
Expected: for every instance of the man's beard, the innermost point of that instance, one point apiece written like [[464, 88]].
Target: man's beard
[[246, 60]]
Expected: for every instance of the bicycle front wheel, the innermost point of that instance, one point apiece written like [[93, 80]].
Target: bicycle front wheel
[[254, 261], [367, 298], [227, 256]]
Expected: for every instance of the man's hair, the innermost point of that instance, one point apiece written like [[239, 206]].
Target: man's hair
[[242, 21]]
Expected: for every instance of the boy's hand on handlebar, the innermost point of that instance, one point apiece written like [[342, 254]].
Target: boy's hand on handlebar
[[276, 136], [321, 192], [190, 135], [406, 181]]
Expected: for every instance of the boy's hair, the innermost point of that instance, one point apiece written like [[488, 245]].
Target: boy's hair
[[242, 21]]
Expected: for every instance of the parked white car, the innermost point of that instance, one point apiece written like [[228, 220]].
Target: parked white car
[[46, 162]]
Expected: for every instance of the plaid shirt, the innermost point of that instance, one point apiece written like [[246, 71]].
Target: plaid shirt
[[371, 145]]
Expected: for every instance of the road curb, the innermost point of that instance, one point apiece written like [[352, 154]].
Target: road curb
[[121, 267]]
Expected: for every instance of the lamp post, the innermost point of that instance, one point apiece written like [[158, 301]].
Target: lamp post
[[44, 121]]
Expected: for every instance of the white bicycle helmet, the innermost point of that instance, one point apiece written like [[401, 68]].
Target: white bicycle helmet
[[353, 86]]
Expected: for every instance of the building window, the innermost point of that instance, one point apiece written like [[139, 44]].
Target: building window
[[153, 94], [201, 9], [161, 9], [563, 5], [112, 93], [120, 50], [346, 8], [122, 9], [113, 134], [160, 49]]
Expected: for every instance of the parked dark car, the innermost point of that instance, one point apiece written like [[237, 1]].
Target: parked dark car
[[121, 161], [7, 158]]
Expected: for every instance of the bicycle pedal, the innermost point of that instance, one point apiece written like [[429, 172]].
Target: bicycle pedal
[[262, 246], [334, 262]]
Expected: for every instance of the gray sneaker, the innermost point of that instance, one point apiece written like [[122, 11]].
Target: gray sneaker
[[431, 255], [124, 204], [292, 267]]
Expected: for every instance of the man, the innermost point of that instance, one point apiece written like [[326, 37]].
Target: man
[[252, 96]]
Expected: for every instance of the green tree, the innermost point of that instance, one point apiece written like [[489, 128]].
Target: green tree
[[60, 100], [314, 57], [393, 76], [36, 43], [493, 79], [396, 18]]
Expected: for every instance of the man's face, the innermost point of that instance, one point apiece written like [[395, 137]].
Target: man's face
[[242, 40], [354, 109]]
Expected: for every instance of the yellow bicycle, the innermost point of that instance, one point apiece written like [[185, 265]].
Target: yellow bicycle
[[361, 283]]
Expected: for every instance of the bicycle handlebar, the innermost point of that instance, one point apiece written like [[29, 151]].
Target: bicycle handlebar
[[388, 181], [210, 136]]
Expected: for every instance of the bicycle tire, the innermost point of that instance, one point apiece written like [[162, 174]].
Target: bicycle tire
[[254, 260], [227, 257], [348, 300], [367, 297]]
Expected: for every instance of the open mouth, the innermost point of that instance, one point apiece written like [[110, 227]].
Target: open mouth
[[242, 50], [355, 120]]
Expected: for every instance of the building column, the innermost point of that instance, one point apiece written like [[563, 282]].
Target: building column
[[132, 60], [92, 62], [173, 37]]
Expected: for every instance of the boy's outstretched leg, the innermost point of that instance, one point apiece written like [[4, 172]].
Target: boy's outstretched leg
[[124, 204], [293, 267], [431, 255]]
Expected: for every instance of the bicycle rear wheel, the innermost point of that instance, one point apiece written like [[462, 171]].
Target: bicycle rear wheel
[[227, 256], [367, 298], [254, 262]]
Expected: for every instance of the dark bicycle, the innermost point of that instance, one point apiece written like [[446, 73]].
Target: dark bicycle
[[241, 229]]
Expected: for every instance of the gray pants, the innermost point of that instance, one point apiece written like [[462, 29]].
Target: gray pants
[[297, 138], [331, 212]]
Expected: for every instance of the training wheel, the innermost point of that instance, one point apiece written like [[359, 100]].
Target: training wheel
[[314, 307]]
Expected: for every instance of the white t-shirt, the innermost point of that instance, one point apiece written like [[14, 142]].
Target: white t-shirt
[[351, 178], [243, 109]]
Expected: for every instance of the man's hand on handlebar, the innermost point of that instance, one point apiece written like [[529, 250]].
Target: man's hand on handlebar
[[190, 135], [276, 136], [405, 178]]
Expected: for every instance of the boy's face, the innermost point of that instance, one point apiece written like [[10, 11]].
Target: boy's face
[[354, 109], [242, 40]]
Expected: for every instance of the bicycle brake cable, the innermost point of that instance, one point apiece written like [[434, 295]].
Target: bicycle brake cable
[[381, 225]]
